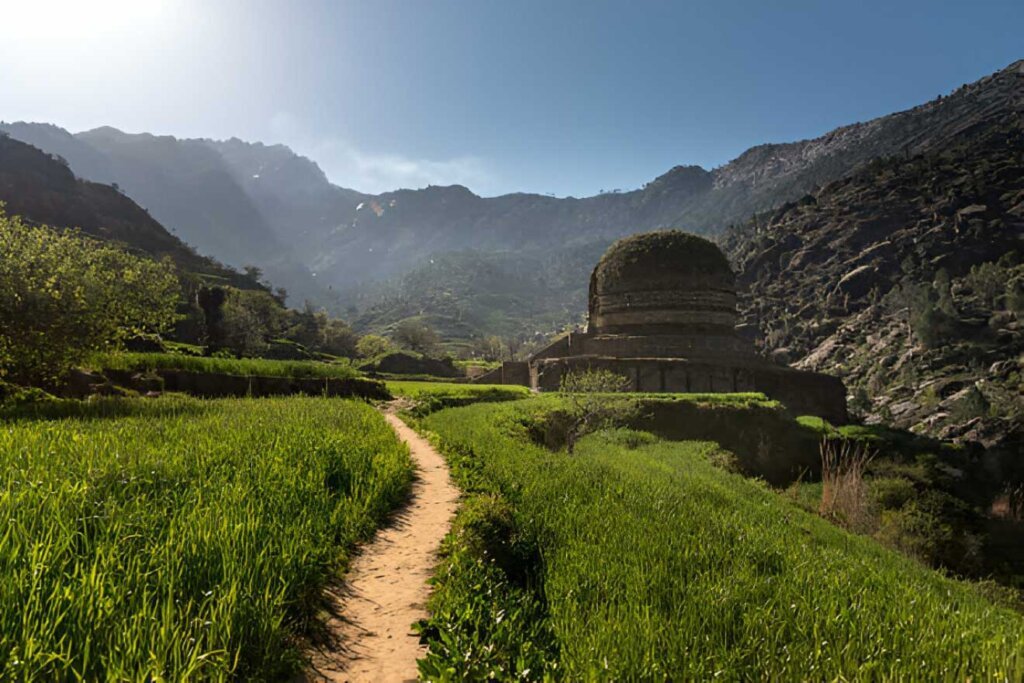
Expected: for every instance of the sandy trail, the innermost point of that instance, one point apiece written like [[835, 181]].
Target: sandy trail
[[369, 636]]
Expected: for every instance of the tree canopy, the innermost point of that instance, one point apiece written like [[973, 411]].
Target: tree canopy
[[63, 295]]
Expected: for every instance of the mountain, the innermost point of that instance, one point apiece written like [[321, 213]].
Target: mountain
[[41, 188], [187, 186], [263, 204], [390, 233], [906, 279]]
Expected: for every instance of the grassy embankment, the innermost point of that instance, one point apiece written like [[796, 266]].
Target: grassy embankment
[[246, 367], [429, 397], [176, 539], [637, 559]]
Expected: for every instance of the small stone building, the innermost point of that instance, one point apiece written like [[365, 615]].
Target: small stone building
[[663, 314]]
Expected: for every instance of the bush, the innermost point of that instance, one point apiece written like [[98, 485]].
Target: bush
[[372, 345], [592, 403], [63, 296], [416, 335]]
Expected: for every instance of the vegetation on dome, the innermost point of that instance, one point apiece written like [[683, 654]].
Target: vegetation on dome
[[635, 260]]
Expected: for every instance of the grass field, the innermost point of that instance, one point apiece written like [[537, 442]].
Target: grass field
[[174, 539], [246, 367], [412, 389], [636, 559]]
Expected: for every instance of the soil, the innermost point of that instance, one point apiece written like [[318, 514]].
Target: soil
[[369, 634]]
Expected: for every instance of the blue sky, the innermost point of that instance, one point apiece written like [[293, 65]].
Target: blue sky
[[562, 97]]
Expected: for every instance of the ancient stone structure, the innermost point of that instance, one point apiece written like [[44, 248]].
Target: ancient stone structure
[[663, 314]]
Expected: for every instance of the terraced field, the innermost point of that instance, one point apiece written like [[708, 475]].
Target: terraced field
[[174, 539], [639, 559]]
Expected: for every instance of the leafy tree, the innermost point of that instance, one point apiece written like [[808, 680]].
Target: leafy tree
[[337, 338], [63, 295], [1015, 297], [593, 404], [251, 318], [416, 335], [491, 348], [211, 302], [316, 330], [372, 345]]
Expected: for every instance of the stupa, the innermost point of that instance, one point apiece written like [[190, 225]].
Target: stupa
[[662, 312]]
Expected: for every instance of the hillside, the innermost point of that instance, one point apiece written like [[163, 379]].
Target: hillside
[[907, 280], [186, 186], [466, 294], [42, 189], [639, 558]]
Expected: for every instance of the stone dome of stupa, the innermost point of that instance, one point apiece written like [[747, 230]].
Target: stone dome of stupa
[[666, 282]]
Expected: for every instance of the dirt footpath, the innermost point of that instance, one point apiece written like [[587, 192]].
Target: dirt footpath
[[385, 590]]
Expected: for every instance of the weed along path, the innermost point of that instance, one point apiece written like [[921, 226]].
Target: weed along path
[[385, 590]]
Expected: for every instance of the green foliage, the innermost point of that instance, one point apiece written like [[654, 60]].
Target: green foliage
[[316, 330], [988, 280], [593, 404], [429, 397], [250, 319], [416, 335], [373, 345], [929, 316], [176, 539], [484, 601], [246, 367], [63, 295], [658, 565]]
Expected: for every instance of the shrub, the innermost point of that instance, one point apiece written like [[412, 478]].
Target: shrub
[[592, 403], [416, 335], [372, 345]]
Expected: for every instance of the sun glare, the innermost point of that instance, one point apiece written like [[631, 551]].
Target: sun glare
[[79, 22]]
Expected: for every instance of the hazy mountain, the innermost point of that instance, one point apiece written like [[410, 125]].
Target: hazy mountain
[[188, 187], [42, 189], [387, 233]]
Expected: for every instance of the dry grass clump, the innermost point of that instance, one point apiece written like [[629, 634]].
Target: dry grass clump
[[844, 492]]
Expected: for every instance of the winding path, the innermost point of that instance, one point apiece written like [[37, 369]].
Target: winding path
[[369, 635]]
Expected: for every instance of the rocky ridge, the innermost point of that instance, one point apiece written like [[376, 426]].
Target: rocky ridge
[[907, 280]]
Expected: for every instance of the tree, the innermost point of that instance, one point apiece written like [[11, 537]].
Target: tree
[[338, 339], [491, 348], [928, 315], [63, 296], [593, 404], [251, 318], [372, 345], [416, 335], [211, 302]]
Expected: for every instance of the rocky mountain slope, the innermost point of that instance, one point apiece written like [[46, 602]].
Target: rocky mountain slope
[[907, 280], [42, 189]]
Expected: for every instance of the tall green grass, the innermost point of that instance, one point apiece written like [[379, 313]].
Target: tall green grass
[[246, 367], [177, 539], [414, 389], [429, 397], [637, 559]]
